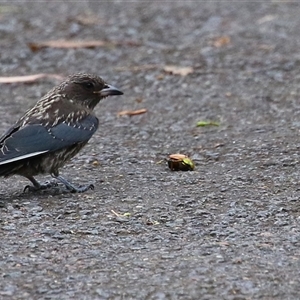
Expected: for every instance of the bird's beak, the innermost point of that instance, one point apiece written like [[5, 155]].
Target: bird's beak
[[109, 90]]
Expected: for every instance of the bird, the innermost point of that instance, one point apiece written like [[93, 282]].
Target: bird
[[54, 130]]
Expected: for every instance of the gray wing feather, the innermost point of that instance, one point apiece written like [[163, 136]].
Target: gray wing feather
[[35, 139]]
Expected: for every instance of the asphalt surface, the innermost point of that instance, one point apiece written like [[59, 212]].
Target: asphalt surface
[[229, 229]]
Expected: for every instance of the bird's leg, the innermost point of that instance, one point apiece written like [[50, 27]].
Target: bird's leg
[[37, 186], [71, 187]]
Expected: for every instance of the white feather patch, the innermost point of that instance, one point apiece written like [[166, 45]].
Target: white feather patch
[[22, 157]]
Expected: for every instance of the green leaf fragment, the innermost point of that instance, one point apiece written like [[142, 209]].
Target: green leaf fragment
[[127, 214], [189, 162], [207, 123]]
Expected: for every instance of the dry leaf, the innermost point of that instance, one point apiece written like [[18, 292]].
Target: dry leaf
[[171, 69], [160, 76], [67, 44], [132, 112], [224, 243], [89, 19], [95, 163], [177, 70], [221, 41], [266, 18], [29, 78], [139, 100], [265, 47], [217, 145]]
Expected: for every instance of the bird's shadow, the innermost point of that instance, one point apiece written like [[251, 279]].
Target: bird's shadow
[[23, 195]]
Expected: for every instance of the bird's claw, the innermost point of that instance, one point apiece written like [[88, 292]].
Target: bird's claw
[[29, 188], [44, 186], [80, 189]]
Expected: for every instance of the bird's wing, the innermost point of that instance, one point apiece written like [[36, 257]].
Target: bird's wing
[[35, 139]]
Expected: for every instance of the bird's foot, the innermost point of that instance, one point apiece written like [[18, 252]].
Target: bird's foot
[[79, 189], [72, 188], [38, 187]]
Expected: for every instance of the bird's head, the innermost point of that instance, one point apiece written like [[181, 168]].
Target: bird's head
[[87, 89]]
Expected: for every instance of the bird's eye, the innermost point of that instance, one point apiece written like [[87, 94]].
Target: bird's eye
[[89, 85]]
